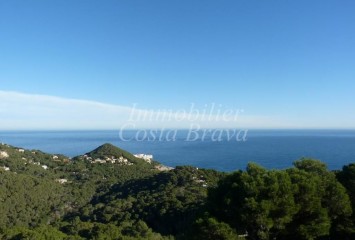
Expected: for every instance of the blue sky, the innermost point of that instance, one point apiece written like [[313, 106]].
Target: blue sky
[[292, 62]]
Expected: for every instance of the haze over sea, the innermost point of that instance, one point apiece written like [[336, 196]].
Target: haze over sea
[[269, 148]]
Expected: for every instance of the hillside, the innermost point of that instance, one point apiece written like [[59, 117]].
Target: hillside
[[108, 193], [41, 190], [109, 151]]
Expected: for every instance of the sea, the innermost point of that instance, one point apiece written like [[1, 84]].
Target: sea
[[213, 149]]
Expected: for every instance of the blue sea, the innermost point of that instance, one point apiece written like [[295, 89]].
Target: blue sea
[[273, 149]]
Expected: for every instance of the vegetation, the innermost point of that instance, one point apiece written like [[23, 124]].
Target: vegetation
[[44, 196]]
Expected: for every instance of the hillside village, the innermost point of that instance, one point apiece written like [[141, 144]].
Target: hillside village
[[110, 187], [5, 155], [98, 156], [117, 160], [105, 154], [105, 157]]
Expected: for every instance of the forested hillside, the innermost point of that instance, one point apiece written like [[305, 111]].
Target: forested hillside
[[110, 194]]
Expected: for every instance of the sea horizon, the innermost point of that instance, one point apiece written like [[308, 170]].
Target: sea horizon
[[270, 148]]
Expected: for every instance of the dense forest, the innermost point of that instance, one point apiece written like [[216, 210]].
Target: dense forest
[[109, 193]]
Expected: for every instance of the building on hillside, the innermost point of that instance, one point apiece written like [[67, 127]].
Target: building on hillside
[[62, 180], [3, 154], [146, 157], [5, 168]]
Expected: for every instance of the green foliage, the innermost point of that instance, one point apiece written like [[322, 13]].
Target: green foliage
[[30, 194], [28, 201], [305, 202], [257, 201], [113, 201], [43, 232], [347, 178], [168, 201], [211, 229]]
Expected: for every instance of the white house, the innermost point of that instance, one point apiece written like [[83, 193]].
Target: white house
[[21, 150], [5, 168], [62, 180], [163, 168], [4, 154], [45, 167], [146, 157], [98, 160]]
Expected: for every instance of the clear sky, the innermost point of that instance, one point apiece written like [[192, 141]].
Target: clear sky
[[291, 62]]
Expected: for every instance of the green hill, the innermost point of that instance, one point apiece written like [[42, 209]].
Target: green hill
[[108, 193], [109, 150]]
